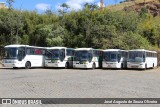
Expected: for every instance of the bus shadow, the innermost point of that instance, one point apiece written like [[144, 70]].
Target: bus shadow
[[52, 68], [56, 68], [126, 69], [112, 69], [136, 69], [11, 68], [5, 68], [81, 69]]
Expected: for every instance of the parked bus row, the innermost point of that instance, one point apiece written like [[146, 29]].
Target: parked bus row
[[18, 56]]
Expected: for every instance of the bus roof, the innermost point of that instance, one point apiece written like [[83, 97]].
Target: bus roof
[[143, 50], [81, 49], [56, 47], [17, 46], [114, 50]]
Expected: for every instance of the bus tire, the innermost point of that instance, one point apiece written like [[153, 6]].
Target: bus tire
[[145, 66], [28, 65], [93, 66], [153, 65], [67, 65], [121, 66], [15, 68]]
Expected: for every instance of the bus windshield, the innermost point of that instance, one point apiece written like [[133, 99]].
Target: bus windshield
[[10, 53], [53, 54], [112, 56], [136, 56], [82, 56]]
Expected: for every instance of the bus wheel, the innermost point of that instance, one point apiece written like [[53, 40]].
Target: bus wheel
[[145, 66], [28, 65], [67, 65], [153, 65], [121, 66], [93, 66]]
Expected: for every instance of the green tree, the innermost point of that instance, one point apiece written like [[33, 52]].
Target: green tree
[[64, 9], [12, 23]]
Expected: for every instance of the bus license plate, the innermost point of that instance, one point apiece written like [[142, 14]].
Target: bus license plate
[[7, 61], [109, 66], [134, 66]]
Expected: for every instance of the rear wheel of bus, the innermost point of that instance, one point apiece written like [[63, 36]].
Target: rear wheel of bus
[[15, 67], [93, 66], [28, 65], [145, 67], [67, 65], [121, 66]]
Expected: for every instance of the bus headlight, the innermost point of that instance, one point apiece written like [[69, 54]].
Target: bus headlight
[[85, 62], [58, 61], [14, 61]]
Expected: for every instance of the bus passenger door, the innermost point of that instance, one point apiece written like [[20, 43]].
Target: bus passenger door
[[21, 55], [62, 56]]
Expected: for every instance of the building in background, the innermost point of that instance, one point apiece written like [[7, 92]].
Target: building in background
[[2, 5]]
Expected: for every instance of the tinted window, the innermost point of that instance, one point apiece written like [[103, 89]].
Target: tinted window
[[10, 53], [70, 52]]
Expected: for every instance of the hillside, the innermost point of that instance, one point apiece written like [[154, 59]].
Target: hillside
[[151, 6]]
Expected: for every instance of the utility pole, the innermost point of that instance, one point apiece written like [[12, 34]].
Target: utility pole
[[102, 4]]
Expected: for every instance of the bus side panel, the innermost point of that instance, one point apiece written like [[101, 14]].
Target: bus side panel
[[151, 62], [35, 60]]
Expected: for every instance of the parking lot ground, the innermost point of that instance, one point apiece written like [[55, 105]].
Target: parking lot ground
[[79, 83]]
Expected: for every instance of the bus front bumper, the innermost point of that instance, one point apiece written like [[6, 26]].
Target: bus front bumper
[[82, 65], [11, 63], [134, 65], [111, 65], [54, 65]]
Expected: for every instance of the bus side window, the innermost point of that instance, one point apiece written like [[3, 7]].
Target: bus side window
[[43, 52], [28, 51], [32, 51], [38, 52], [70, 52]]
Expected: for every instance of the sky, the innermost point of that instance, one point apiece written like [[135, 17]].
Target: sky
[[41, 5]]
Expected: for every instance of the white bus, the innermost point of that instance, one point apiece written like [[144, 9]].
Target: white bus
[[141, 58], [23, 56], [59, 57], [87, 58], [114, 58]]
